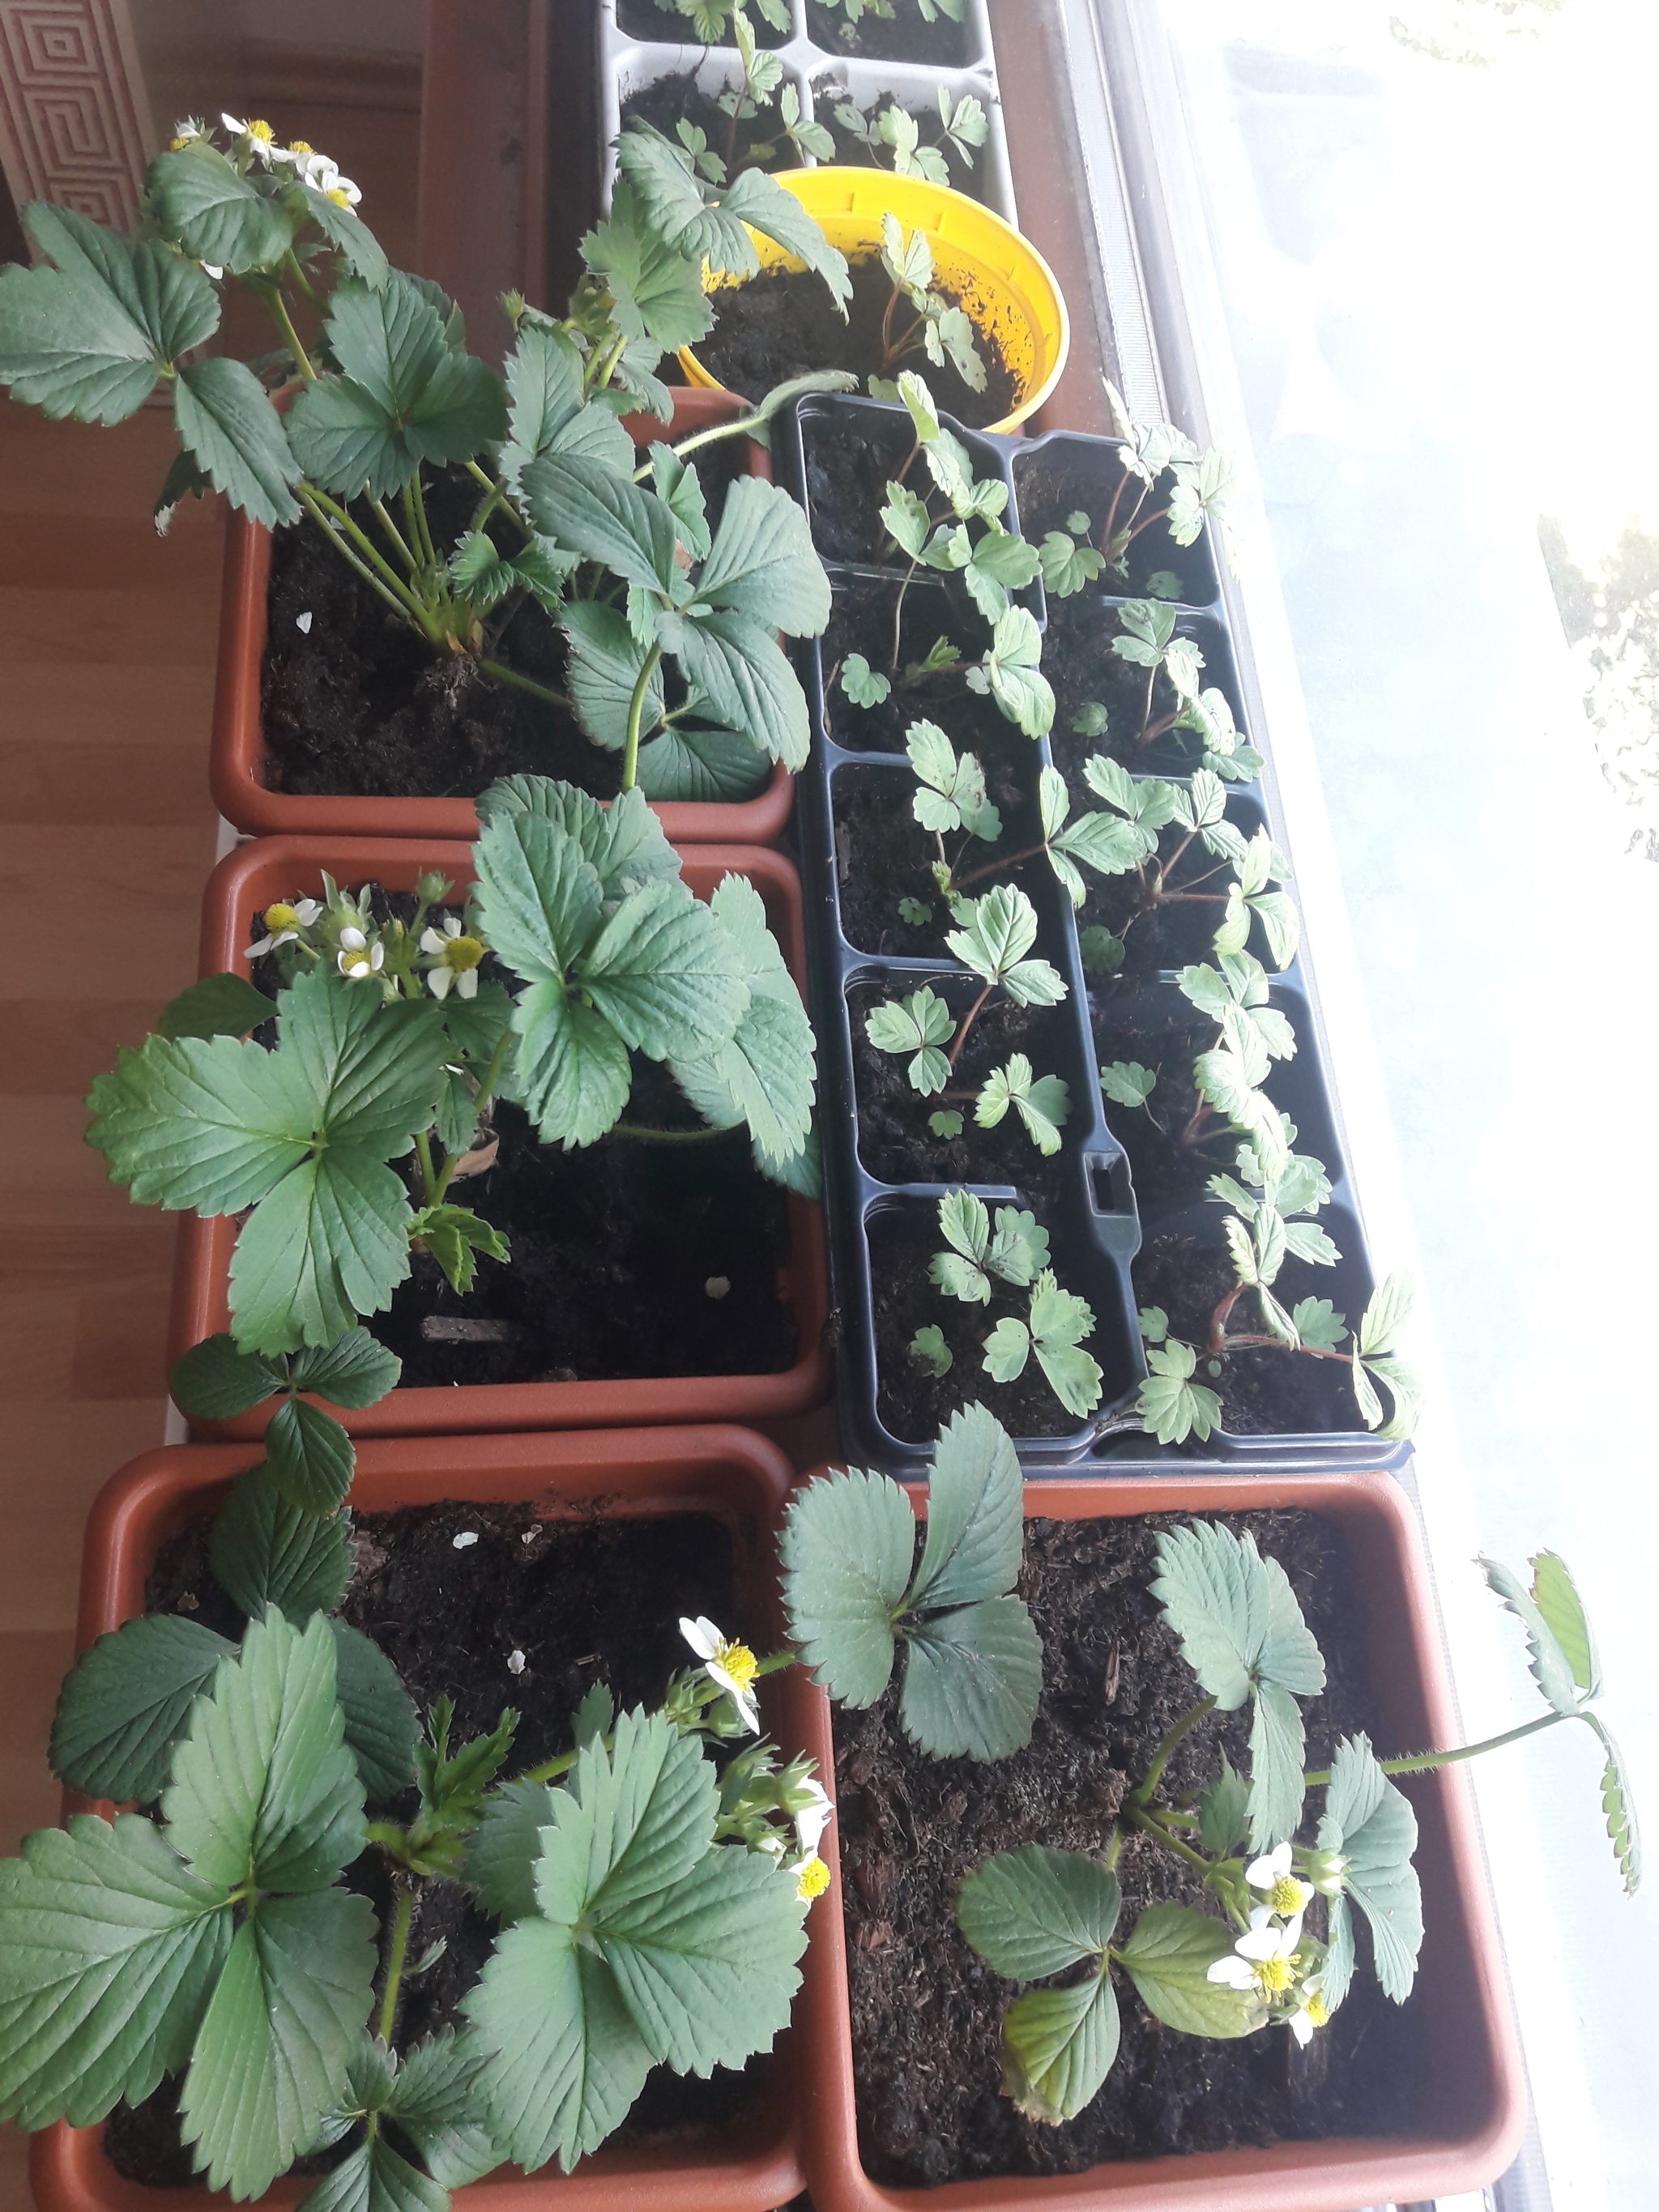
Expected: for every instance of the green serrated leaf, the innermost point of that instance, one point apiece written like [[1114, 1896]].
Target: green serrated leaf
[[1619, 1810], [214, 1382], [972, 1680], [266, 1552], [228, 425], [434, 2103], [1236, 1614], [762, 561], [847, 1547], [374, 2177], [201, 203], [1224, 1812], [277, 2036], [1562, 1610], [310, 1456], [110, 1948], [381, 1729], [1168, 1957], [1036, 1912], [976, 1525], [219, 1006], [264, 1789], [124, 1703], [1372, 1824], [1172, 1407], [1551, 1668], [1058, 2046], [928, 1350], [354, 1372]]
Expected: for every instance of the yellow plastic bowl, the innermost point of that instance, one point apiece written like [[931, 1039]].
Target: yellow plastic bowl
[[1003, 282]]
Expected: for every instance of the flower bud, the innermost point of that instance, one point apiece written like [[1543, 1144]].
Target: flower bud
[[432, 889], [1327, 1871]]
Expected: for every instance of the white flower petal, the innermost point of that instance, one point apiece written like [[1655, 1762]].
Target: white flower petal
[[1301, 2029], [1233, 1972], [253, 952], [703, 1636], [430, 941], [352, 940], [467, 983], [1266, 1871], [438, 981], [307, 910]]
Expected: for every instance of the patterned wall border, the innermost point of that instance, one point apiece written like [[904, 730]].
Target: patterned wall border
[[75, 123]]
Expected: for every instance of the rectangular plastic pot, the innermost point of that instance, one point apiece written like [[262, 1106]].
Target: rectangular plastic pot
[[237, 752], [1104, 1214], [247, 880], [1474, 2061], [727, 1473]]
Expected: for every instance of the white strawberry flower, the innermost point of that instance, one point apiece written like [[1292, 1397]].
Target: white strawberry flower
[[324, 176], [455, 955], [814, 1817], [261, 138], [283, 923], [1311, 2011], [358, 958], [732, 1665], [1264, 1958], [1286, 1896]]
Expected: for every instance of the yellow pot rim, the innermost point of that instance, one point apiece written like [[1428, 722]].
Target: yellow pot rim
[[970, 242]]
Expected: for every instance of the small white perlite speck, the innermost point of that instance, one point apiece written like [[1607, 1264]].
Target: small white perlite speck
[[515, 1662], [717, 1286], [467, 1536], [302, 623]]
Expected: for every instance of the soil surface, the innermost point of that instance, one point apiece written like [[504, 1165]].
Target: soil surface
[[904, 37], [914, 1405], [850, 460], [852, 153], [927, 2011], [671, 99], [1177, 931], [1167, 1176], [895, 1143], [1066, 479], [583, 1601], [1265, 1392], [644, 20], [883, 854], [613, 1247], [1078, 661], [861, 621], [358, 705], [784, 323]]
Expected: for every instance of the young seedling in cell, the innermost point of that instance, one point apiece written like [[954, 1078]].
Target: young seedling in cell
[[894, 132], [854, 11], [935, 326], [1273, 1942], [1015, 1253], [1201, 484], [1070, 563]]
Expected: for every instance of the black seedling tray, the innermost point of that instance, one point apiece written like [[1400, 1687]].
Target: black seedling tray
[[882, 1219]]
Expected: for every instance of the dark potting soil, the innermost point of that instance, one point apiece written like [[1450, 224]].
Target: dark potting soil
[[1167, 1175], [643, 19], [903, 36], [849, 465], [784, 323], [673, 100], [914, 1405], [1265, 1392], [928, 2012], [850, 151], [861, 621], [1078, 661], [358, 705], [895, 1142], [613, 1248], [1061, 480], [584, 1600], [883, 854]]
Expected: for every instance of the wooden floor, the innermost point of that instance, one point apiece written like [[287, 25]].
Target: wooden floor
[[108, 635]]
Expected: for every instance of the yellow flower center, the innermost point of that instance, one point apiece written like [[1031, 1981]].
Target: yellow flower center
[[280, 917], [337, 196], [1314, 2010], [262, 131], [299, 146], [461, 953], [177, 145], [737, 1660], [1287, 1896], [814, 1880], [1275, 1975]]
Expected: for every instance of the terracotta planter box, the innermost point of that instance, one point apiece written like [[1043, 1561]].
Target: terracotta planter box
[[237, 753], [1474, 2060], [734, 1476], [269, 868]]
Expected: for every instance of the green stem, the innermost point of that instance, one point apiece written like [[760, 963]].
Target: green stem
[[705, 438], [1139, 1797], [292, 263], [291, 336], [397, 600], [1154, 1826], [1421, 1762], [635, 714], [395, 535], [599, 367], [395, 1957], [551, 1769], [428, 1181], [367, 548], [668, 1136], [415, 523], [543, 691]]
